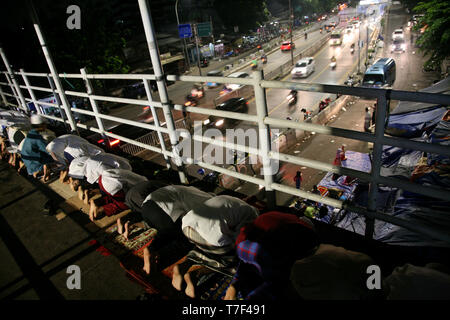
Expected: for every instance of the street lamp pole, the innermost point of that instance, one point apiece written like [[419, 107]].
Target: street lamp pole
[[359, 48], [185, 52], [291, 13]]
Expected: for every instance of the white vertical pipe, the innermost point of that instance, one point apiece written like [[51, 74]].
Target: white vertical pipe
[[162, 88], [264, 136], [30, 91], [14, 81], [93, 102], [156, 120], [52, 68], [13, 90]]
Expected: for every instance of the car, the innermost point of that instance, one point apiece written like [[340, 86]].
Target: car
[[349, 28], [303, 68], [329, 27], [113, 145], [287, 45], [398, 45], [137, 90], [398, 34], [213, 73], [234, 86], [238, 104]]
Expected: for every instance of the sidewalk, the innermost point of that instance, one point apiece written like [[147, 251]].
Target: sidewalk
[[36, 250]]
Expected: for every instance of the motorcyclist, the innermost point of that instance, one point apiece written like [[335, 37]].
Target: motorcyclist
[[264, 57], [254, 64], [306, 35], [320, 30]]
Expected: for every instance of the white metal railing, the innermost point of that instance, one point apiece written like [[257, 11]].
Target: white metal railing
[[261, 119]]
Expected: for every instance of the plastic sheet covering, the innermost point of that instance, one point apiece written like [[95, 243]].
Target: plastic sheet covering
[[399, 162], [440, 135], [11, 118], [414, 124]]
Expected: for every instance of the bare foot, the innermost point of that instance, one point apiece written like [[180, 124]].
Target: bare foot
[[80, 194], [177, 278], [125, 234], [190, 289], [147, 257], [119, 226], [92, 210], [86, 196]]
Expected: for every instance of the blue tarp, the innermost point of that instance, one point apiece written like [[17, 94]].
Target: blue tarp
[[414, 124]]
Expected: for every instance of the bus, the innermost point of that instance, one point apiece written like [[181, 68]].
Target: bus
[[336, 38], [380, 74]]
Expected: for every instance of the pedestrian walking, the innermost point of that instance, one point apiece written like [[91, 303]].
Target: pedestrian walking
[[298, 179], [367, 120]]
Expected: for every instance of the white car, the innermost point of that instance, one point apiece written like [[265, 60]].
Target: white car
[[303, 68], [234, 86], [349, 28], [398, 34]]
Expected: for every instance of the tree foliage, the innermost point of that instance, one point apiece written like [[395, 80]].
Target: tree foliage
[[247, 14], [436, 37]]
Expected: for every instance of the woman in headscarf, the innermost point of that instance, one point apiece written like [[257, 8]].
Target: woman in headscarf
[[65, 148]]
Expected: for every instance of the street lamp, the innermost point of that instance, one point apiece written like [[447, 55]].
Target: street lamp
[[292, 17], [185, 52]]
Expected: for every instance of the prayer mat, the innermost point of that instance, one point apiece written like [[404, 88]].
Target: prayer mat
[[138, 239]]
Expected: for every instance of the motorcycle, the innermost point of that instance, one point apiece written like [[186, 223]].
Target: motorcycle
[[352, 48], [254, 65], [197, 92], [333, 64], [324, 103], [264, 59], [320, 30], [190, 101], [351, 81], [306, 36], [306, 114], [292, 97]]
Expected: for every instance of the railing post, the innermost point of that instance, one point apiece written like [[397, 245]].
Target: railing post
[[90, 92], [264, 136], [30, 91], [14, 81], [57, 98], [376, 163], [5, 101], [156, 121], [13, 90], [162, 88], [52, 67]]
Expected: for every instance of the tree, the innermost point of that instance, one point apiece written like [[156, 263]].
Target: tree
[[247, 14], [436, 37]]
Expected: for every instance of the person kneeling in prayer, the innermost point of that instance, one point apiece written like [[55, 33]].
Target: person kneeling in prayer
[[114, 184], [213, 228], [34, 153], [163, 210], [68, 147]]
